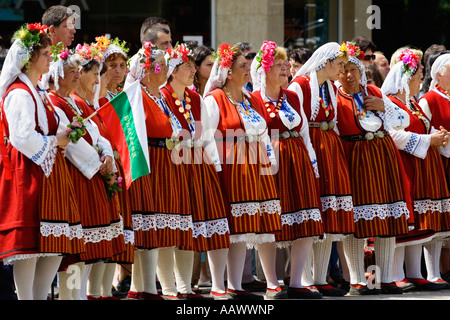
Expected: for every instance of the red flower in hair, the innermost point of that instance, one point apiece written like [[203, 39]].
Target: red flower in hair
[[225, 53], [37, 27]]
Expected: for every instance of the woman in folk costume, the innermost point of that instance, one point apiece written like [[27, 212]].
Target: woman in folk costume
[[237, 140], [420, 145], [40, 219], [301, 216], [115, 59], [168, 182], [211, 232], [313, 83], [91, 160], [86, 96], [381, 201], [436, 106]]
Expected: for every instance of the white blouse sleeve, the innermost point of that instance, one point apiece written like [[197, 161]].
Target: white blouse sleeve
[[304, 132], [82, 155], [210, 114], [20, 113], [412, 143], [423, 103]]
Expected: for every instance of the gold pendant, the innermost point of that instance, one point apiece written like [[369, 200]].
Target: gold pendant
[[178, 102], [188, 107], [188, 99], [272, 115], [181, 110]]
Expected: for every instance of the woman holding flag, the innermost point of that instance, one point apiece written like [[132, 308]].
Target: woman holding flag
[[91, 163], [211, 232]]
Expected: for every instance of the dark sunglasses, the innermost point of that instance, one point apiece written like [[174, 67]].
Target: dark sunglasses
[[250, 56], [370, 57]]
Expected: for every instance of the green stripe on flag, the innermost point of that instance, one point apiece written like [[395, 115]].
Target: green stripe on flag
[[122, 106]]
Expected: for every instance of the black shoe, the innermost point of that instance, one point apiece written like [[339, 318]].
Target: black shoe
[[425, 285], [345, 285], [359, 290], [243, 295], [255, 286], [330, 291], [390, 288], [275, 294], [303, 293]]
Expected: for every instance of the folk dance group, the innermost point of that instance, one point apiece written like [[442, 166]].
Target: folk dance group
[[323, 158]]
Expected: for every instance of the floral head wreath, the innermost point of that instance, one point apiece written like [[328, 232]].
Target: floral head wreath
[[108, 47], [410, 61], [148, 57], [60, 55], [225, 55], [90, 52], [177, 55], [354, 51], [266, 55], [28, 36]]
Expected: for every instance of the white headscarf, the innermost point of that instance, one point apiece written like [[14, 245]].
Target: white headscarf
[[136, 69], [397, 80], [257, 71], [362, 70], [318, 60], [437, 67], [15, 61], [217, 77]]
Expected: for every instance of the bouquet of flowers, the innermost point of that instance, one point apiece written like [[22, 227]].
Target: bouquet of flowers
[[76, 130], [113, 184]]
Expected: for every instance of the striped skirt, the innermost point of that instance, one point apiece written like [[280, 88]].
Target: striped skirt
[[100, 218], [39, 214], [334, 182], [124, 205], [61, 229], [211, 231], [143, 213], [249, 185], [298, 190], [169, 184], [380, 199], [430, 193]]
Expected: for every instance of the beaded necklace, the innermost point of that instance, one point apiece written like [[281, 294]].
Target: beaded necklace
[[274, 109], [245, 110]]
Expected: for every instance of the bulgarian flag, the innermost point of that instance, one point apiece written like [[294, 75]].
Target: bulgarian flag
[[124, 118]]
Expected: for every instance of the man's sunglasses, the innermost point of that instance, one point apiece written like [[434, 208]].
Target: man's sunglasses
[[370, 57]]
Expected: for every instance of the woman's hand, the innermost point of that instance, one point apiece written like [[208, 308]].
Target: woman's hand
[[62, 141], [108, 165], [373, 103], [440, 138]]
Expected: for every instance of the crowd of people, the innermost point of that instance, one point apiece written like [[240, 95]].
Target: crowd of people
[[294, 159]]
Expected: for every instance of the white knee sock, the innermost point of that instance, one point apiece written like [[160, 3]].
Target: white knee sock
[[137, 284], [432, 254], [342, 261], [413, 258], [84, 281], [95, 279], [354, 256], [149, 261], [165, 271], [267, 255], [307, 276], [398, 270], [300, 252], [65, 293], [384, 255], [322, 253], [184, 264], [108, 278], [46, 270], [217, 263], [24, 273], [235, 265]]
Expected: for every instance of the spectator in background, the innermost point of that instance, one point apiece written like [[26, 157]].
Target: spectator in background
[[374, 76], [157, 31], [297, 58], [368, 47], [430, 55], [61, 23], [382, 64]]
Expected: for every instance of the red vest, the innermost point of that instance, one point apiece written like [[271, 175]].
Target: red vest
[[440, 109]]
